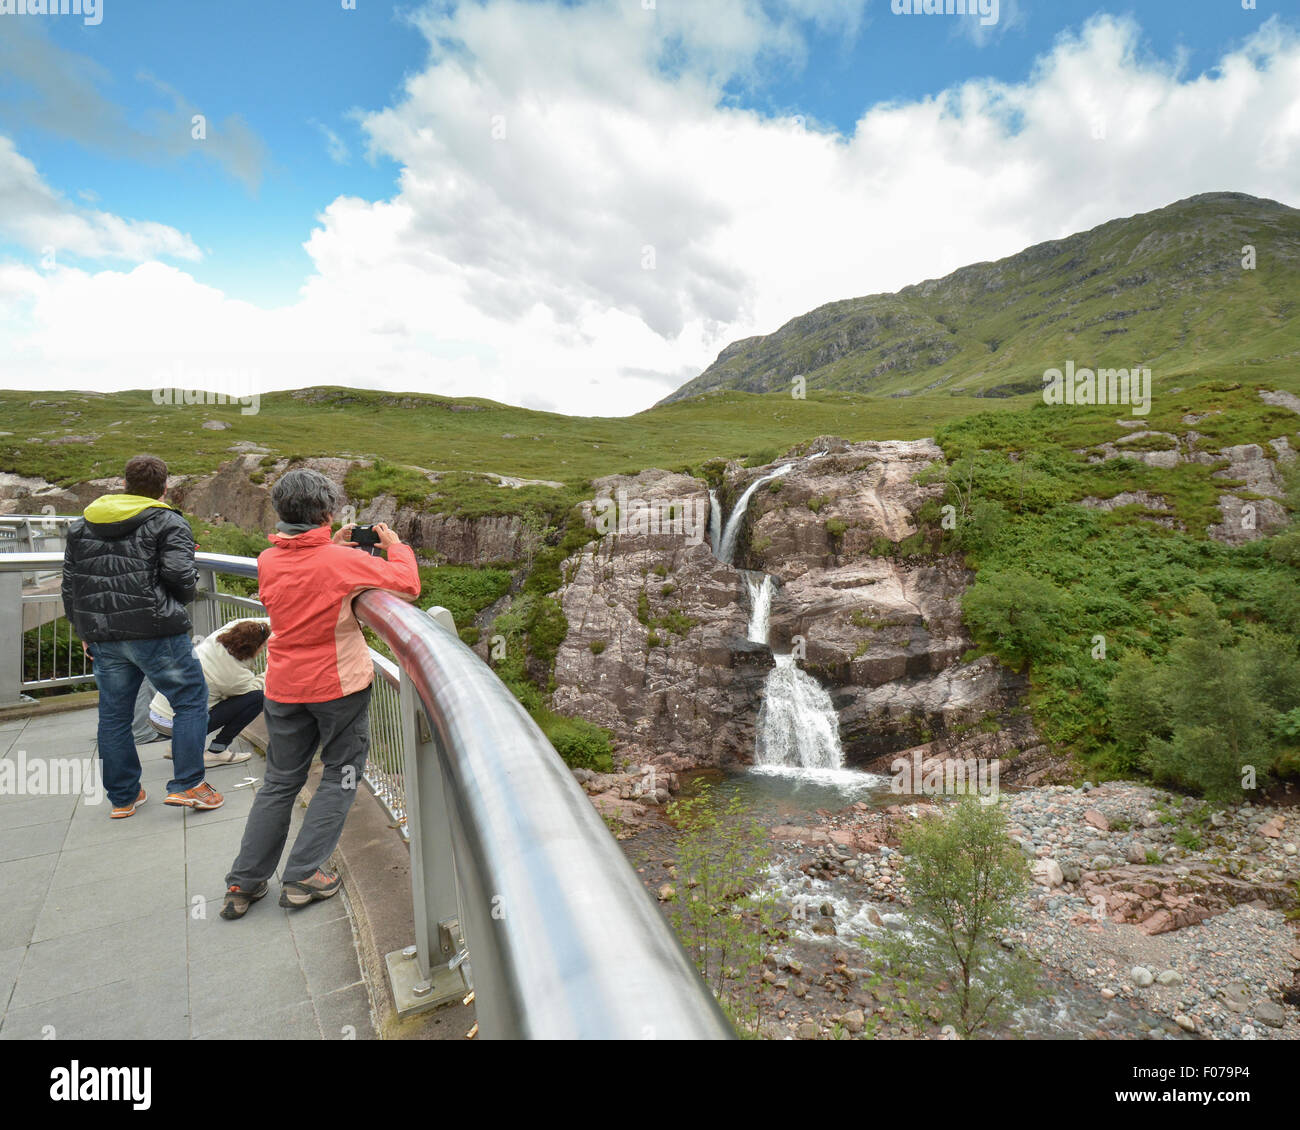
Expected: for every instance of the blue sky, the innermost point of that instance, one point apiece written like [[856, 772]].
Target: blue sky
[[290, 70], [312, 130]]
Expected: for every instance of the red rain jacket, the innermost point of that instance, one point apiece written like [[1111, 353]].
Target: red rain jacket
[[316, 651]]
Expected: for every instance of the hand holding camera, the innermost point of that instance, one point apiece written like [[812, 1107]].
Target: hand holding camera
[[368, 537]]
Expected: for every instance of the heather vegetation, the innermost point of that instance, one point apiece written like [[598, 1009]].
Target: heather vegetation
[[1120, 622]]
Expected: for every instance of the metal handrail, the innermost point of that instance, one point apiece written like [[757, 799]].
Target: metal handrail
[[563, 939]]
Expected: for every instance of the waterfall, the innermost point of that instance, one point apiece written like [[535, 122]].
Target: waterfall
[[727, 546], [760, 601], [797, 724]]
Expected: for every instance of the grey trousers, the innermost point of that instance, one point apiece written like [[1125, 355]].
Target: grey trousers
[[141, 728], [341, 727]]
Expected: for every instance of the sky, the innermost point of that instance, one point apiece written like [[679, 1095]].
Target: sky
[[573, 205]]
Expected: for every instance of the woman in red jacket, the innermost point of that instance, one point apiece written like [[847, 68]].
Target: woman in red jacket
[[318, 679]]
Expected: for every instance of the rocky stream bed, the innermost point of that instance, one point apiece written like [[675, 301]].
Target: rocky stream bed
[[1152, 916]]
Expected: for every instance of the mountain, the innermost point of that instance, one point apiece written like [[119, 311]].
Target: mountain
[[1164, 289]]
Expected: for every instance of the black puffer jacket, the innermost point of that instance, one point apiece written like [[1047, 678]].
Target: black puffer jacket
[[128, 570]]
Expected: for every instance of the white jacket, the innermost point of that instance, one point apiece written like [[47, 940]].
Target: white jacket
[[225, 675]]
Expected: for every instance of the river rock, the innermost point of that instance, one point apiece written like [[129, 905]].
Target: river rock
[[1141, 976], [1048, 873], [1266, 1012], [1097, 820]]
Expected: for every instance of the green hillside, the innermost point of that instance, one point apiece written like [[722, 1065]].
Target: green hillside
[[1165, 290], [69, 437]]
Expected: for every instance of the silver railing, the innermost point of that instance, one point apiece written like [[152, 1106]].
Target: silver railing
[[33, 533], [514, 877]]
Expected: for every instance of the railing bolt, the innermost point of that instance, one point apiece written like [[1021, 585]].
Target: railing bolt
[[408, 952], [422, 988]]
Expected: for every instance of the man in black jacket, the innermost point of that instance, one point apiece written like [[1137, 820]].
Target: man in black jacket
[[128, 573]]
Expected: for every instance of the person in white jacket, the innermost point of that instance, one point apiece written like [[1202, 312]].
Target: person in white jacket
[[234, 688]]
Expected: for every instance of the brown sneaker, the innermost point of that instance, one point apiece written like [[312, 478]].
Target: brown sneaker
[[239, 900], [322, 885], [122, 811], [202, 797]]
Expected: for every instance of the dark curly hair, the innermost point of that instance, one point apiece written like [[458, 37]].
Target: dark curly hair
[[244, 638], [145, 475]]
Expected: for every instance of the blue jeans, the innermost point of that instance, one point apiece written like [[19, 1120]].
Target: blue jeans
[[170, 664]]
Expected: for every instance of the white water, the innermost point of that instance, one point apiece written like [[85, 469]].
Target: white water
[[798, 730], [760, 603], [727, 547], [797, 724]]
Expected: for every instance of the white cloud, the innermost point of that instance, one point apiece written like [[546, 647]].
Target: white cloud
[[33, 216], [544, 147], [334, 145]]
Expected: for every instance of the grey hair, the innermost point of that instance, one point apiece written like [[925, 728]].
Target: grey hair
[[305, 497]]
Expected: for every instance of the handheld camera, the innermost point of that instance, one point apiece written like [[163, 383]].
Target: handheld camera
[[366, 538]]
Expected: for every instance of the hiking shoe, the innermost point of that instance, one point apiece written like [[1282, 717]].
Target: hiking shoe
[[214, 758], [202, 797], [239, 900], [322, 885], [122, 811]]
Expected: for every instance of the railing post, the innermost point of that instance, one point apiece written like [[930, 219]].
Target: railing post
[[206, 613], [432, 972], [11, 640]]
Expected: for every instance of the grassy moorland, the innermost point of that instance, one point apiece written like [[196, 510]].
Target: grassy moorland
[[88, 435]]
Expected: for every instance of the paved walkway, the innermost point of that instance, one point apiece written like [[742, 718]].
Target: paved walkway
[[109, 929]]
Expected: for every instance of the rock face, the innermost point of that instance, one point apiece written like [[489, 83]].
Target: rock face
[[833, 508], [239, 493], [455, 540], [20, 494], [1159, 899], [657, 646]]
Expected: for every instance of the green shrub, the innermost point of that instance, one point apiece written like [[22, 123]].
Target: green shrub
[[581, 744], [719, 909], [963, 876]]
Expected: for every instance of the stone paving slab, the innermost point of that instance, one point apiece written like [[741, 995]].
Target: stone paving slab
[[111, 927]]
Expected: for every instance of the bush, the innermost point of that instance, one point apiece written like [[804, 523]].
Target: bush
[[581, 744], [463, 590], [963, 875], [1213, 717], [718, 909]]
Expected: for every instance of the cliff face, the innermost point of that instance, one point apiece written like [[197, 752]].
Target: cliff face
[[657, 646], [239, 494]]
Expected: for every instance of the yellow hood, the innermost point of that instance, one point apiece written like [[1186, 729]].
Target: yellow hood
[[111, 508]]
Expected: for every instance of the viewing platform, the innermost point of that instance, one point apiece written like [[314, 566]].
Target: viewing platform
[[111, 927], [482, 894]]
